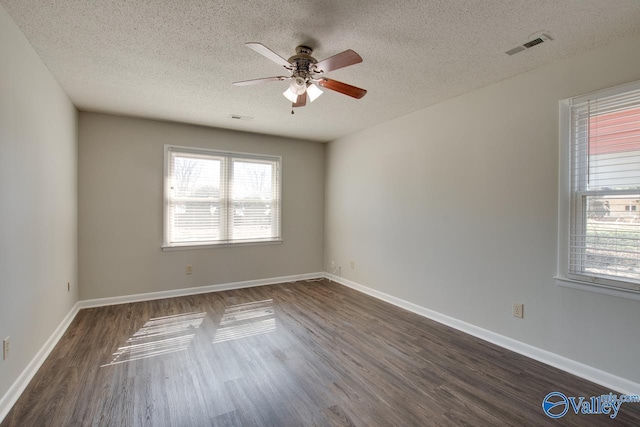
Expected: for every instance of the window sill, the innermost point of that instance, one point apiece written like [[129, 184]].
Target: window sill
[[190, 247], [598, 289]]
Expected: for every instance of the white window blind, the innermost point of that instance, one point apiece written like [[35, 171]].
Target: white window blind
[[216, 197], [604, 241]]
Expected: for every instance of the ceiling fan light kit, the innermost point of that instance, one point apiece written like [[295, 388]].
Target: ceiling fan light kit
[[290, 95], [314, 92], [305, 74]]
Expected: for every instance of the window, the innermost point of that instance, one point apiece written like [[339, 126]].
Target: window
[[214, 197], [604, 181]]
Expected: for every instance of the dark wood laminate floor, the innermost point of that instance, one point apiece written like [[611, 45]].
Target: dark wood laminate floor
[[309, 353]]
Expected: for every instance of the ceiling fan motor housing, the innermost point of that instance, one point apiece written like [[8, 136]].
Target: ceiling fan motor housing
[[302, 62]]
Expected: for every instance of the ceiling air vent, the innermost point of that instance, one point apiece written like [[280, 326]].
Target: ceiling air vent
[[541, 38], [515, 50], [533, 42], [239, 117]]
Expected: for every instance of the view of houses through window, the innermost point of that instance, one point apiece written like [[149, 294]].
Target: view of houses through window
[[605, 238]]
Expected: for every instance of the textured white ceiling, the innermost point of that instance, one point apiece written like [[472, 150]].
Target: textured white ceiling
[[175, 60]]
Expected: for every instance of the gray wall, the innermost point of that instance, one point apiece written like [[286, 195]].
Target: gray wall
[[454, 208], [37, 201], [120, 209]]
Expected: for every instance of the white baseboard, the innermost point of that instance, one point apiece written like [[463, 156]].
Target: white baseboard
[[101, 302], [17, 388], [11, 396], [605, 379]]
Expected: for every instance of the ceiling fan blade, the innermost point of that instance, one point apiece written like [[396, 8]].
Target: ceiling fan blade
[[344, 88], [301, 101], [258, 81], [268, 53], [341, 60]]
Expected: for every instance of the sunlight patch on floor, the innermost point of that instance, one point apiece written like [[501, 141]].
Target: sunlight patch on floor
[[245, 320], [158, 336]]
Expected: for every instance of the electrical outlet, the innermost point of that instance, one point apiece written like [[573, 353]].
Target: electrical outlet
[[189, 269], [518, 310], [333, 265], [353, 265], [5, 348]]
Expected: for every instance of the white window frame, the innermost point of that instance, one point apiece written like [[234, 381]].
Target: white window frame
[[228, 157], [587, 282]]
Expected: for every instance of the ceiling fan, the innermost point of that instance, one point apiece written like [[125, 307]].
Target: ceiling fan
[[305, 74]]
